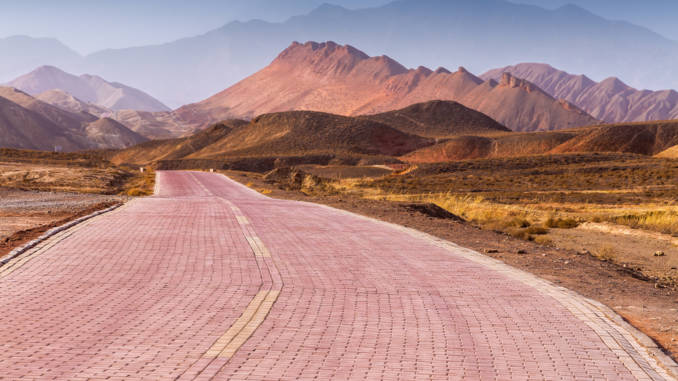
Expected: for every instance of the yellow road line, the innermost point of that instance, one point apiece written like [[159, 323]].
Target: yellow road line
[[244, 327]]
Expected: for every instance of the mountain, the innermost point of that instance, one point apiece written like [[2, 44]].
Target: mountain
[[610, 100], [22, 128], [47, 126], [343, 80], [87, 88], [416, 32], [20, 53], [66, 101], [439, 119], [154, 125]]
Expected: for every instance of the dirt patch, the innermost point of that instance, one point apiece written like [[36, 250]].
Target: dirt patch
[[24, 215], [9, 243], [651, 309]]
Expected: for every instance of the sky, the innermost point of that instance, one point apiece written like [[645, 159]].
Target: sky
[[656, 15], [90, 25]]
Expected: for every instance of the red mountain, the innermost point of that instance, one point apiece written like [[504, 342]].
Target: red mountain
[[610, 100], [343, 80]]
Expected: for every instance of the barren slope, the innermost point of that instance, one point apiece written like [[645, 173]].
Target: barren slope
[[22, 128], [610, 100], [70, 103], [640, 138], [439, 119], [83, 130], [89, 88], [306, 132], [179, 148]]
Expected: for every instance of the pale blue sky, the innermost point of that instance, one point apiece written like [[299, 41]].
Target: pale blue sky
[[90, 25]]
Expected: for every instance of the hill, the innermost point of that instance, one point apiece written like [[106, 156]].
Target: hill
[[22, 128], [439, 119], [288, 134], [171, 149], [154, 125], [641, 138], [610, 100], [66, 101], [343, 80], [49, 126], [307, 132], [649, 138], [88, 88]]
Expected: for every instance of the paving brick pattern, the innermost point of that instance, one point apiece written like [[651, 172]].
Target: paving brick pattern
[[210, 280]]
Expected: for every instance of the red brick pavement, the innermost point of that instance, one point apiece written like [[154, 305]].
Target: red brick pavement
[[149, 292]]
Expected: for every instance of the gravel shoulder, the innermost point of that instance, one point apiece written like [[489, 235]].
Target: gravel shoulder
[[24, 215]]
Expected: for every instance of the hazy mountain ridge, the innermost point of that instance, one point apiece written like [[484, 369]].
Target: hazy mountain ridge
[[610, 100], [438, 33], [88, 88], [27, 122]]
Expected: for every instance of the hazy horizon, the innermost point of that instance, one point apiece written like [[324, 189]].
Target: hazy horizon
[[128, 23]]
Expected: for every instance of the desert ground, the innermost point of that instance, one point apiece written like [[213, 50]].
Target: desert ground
[[39, 191]]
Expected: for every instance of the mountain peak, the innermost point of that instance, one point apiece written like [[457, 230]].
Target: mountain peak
[[320, 48], [508, 80], [613, 84]]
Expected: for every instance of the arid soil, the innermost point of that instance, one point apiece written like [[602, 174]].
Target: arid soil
[[646, 304], [24, 215]]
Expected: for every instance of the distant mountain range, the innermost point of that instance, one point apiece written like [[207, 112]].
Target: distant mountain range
[[343, 80], [88, 88], [479, 34], [27, 122], [610, 100]]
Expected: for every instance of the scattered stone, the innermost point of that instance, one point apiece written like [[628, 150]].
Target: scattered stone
[[584, 252], [522, 251], [659, 254], [567, 262]]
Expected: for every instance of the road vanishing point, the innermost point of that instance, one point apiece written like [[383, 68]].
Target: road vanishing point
[[209, 280]]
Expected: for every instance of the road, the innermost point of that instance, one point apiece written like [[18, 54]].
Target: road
[[210, 280]]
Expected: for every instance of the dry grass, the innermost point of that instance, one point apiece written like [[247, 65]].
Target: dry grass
[[140, 184], [664, 221]]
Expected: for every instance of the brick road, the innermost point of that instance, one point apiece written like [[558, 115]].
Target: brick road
[[210, 280]]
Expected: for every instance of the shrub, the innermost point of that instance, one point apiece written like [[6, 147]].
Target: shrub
[[136, 192], [559, 223], [543, 240], [537, 230]]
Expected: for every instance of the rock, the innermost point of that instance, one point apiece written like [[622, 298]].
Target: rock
[[432, 210], [521, 251], [491, 251], [659, 254]]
